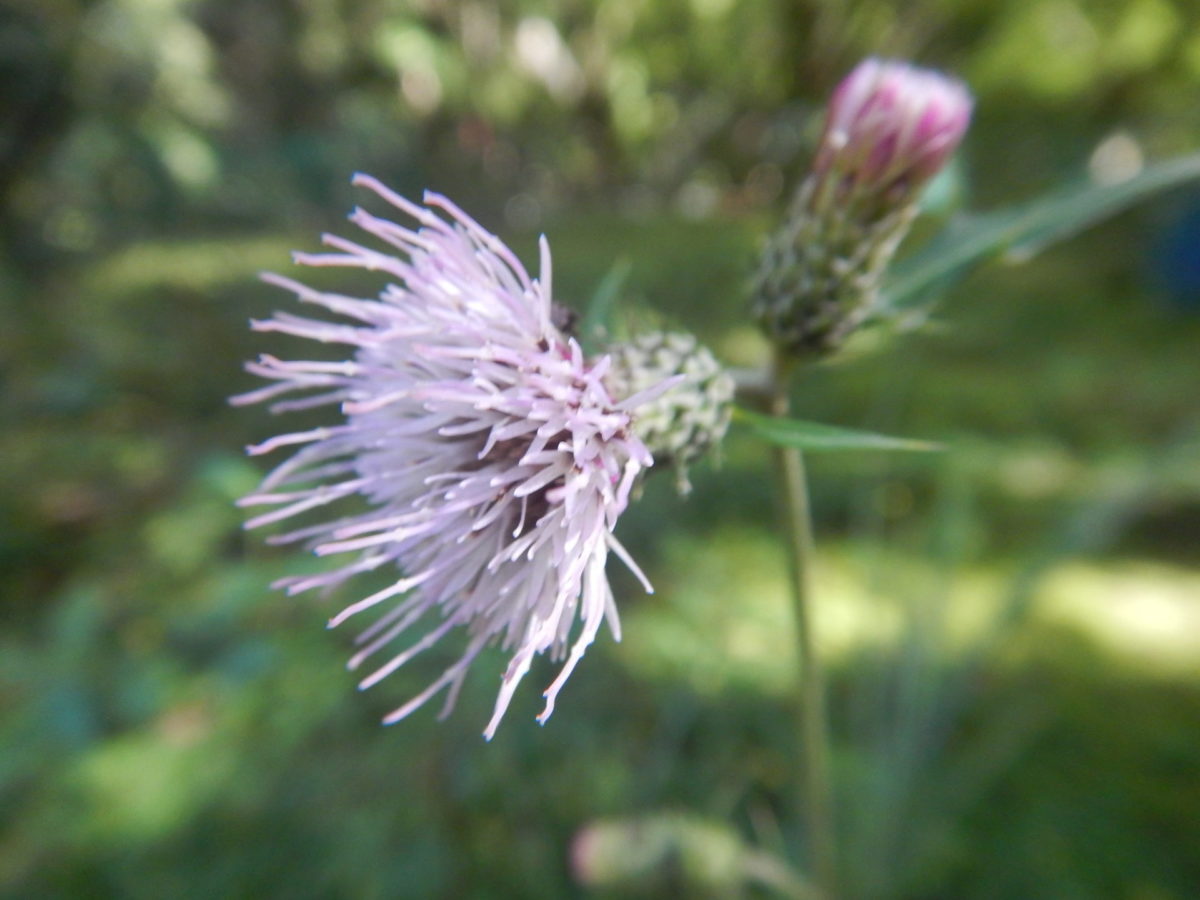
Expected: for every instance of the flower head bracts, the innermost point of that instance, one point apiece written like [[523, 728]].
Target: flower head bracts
[[493, 458], [684, 423]]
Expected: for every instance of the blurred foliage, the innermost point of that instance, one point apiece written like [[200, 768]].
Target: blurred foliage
[[125, 116], [1011, 623]]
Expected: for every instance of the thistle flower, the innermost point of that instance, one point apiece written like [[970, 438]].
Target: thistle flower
[[493, 460], [683, 423], [890, 127]]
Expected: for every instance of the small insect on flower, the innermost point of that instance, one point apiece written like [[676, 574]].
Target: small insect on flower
[[492, 459]]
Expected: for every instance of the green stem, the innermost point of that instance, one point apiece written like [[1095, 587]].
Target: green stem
[[815, 777]]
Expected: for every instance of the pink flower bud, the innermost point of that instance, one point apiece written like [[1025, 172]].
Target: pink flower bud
[[889, 129], [892, 125]]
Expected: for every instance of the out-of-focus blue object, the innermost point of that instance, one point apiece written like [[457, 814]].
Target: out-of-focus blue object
[[1175, 260]]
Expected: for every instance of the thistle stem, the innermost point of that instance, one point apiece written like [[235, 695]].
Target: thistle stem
[[816, 787]]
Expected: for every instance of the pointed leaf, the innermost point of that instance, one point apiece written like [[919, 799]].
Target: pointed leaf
[[599, 318], [816, 436], [1019, 233]]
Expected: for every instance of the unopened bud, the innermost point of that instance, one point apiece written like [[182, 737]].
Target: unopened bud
[[889, 129], [685, 421]]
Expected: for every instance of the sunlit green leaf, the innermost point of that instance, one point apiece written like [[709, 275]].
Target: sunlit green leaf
[[669, 853], [816, 436]]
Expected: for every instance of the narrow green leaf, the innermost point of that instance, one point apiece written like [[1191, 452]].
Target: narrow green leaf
[[598, 320], [815, 436], [1021, 232]]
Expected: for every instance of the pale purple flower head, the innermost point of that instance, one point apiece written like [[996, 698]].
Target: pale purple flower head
[[492, 459], [892, 125]]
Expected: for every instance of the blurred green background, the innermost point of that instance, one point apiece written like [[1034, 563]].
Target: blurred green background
[[1013, 626]]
